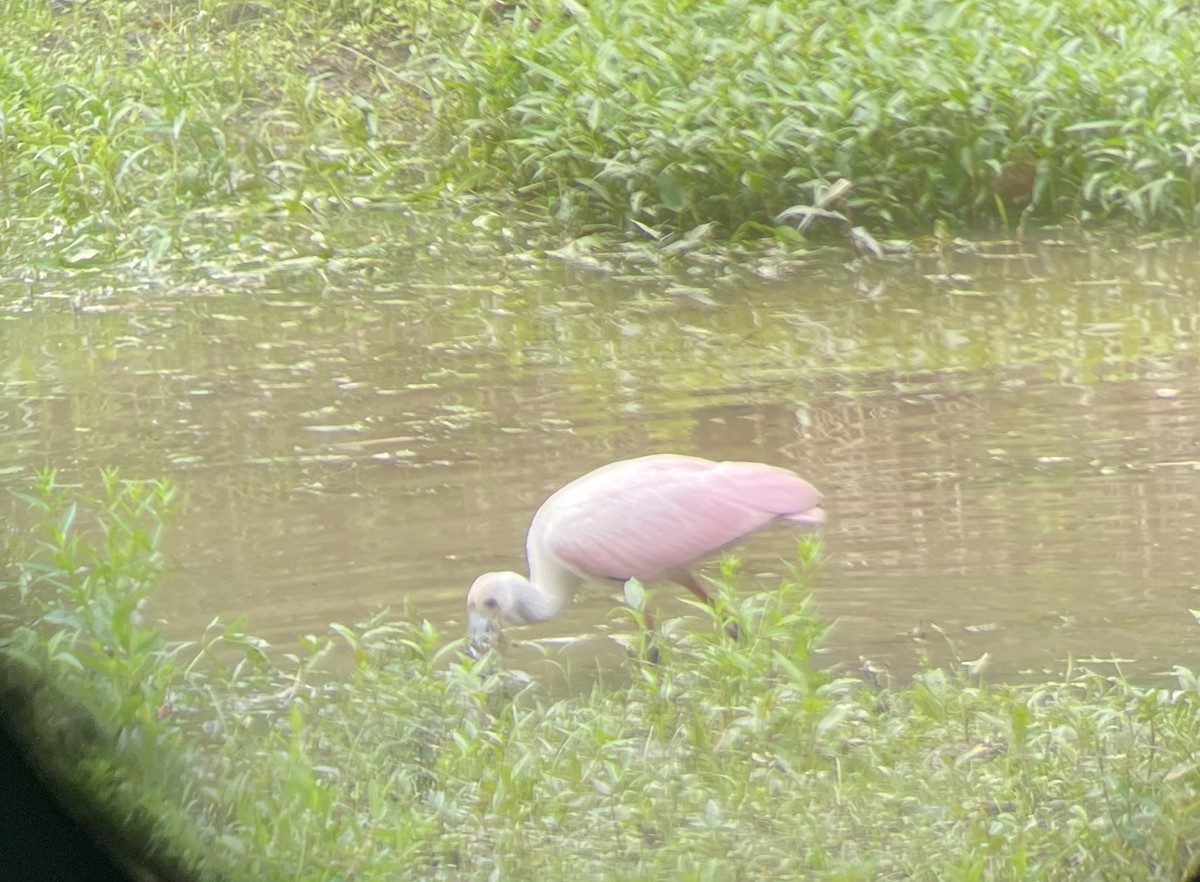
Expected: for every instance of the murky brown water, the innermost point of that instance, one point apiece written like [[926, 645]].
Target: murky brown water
[[1013, 454]]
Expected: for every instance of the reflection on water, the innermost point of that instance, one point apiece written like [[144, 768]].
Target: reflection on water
[[1008, 440]]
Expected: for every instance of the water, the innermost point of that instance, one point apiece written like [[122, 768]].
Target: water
[[1007, 437]]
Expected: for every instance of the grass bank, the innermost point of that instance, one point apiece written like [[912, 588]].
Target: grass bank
[[134, 133], [138, 133], [668, 114], [381, 752]]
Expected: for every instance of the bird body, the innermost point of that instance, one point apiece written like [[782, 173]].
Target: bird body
[[648, 518]]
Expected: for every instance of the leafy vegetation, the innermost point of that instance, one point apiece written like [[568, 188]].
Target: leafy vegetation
[[382, 752], [665, 114], [136, 133]]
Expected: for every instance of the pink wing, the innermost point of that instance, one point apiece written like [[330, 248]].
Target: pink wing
[[647, 517]]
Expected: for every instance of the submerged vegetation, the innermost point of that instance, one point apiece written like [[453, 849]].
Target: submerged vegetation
[[381, 751], [140, 132]]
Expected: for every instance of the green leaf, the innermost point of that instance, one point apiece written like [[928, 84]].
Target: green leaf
[[635, 594], [671, 192]]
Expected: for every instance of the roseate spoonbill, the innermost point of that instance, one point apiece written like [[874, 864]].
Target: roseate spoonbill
[[647, 518]]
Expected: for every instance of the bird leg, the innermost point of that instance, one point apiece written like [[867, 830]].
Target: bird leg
[[649, 647], [692, 584], [635, 599]]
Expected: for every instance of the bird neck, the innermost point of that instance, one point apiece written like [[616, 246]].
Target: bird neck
[[536, 601], [548, 591]]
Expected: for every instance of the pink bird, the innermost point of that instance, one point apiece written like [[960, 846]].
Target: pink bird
[[648, 518]]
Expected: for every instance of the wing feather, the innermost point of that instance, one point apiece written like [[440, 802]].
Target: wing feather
[[648, 517]]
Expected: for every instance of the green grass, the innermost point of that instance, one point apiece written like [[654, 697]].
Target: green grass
[[126, 129], [382, 752], [666, 114], [134, 134]]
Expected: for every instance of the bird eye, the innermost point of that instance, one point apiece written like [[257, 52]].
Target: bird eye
[[492, 603]]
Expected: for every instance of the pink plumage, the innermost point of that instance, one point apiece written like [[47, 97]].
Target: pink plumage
[[647, 518]]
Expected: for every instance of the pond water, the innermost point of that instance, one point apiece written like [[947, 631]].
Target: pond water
[[1008, 436]]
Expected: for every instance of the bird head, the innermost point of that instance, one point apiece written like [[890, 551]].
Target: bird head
[[490, 603]]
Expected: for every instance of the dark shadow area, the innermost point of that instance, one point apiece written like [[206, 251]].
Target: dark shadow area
[[39, 839], [50, 830]]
